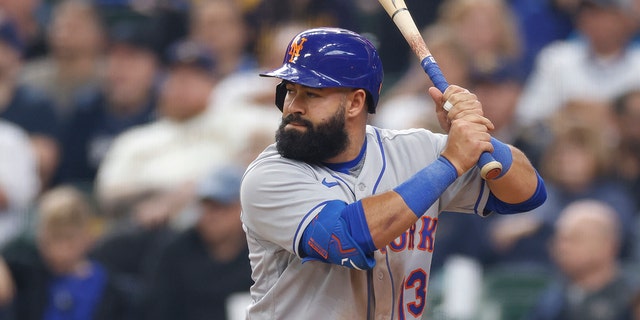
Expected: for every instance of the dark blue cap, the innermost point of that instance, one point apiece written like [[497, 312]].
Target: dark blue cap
[[506, 71], [9, 34], [134, 34], [221, 185]]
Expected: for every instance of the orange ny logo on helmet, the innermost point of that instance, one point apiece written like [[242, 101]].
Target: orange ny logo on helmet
[[294, 51]]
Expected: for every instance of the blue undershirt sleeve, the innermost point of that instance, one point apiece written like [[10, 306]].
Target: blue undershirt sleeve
[[538, 198]]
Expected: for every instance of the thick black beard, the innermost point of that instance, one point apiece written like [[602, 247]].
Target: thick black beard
[[316, 144]]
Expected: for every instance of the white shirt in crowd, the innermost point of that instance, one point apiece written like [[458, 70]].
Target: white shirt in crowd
[[19, 179], [568, 70]]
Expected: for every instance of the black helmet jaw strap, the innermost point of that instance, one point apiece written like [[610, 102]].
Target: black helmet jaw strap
[[281, 93]]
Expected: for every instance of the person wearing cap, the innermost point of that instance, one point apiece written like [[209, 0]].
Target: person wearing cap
[[220, 25], [150, 170], [74, 62], [599, 63], [51, 275], [204, 265], [127, 98]]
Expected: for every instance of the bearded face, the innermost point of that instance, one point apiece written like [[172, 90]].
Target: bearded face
[[315, 144]]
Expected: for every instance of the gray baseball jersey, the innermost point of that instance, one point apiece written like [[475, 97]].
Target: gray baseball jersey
[[280, 197]]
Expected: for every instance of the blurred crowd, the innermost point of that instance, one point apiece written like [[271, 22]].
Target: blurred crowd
[[125, 126]]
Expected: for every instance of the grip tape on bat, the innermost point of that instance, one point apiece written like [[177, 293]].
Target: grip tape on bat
[[433, 71], [489, 167]]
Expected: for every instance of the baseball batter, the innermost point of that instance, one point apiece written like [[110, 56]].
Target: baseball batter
[[341, 216]]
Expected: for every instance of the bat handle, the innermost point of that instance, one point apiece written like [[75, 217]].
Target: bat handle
[[490, 168], [432, 69]]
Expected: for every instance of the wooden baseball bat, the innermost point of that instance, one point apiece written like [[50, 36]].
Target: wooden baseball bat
[[400, 15]]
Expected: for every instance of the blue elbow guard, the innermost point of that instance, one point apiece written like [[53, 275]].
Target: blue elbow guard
[[339, 235]]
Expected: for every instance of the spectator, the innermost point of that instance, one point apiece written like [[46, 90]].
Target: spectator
[[557, 26], [600, 64], [220, 26], [487, 31], [170, 19], [28, 108], [18, 180], [29, 23], [627, 116], [500, 90], [127, 98], [200, 269], [246, 100], [270, 13], [575, 166], [585, 248], [129, 252], [534, 139], [53, 278], [159, 162], [74, 62]]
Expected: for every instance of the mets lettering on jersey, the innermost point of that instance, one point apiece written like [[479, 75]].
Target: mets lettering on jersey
[[280, 197]]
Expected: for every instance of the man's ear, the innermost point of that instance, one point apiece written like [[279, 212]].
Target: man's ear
[[358, 102]]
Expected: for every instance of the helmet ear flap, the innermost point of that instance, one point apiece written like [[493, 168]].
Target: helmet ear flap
[[281, 93]]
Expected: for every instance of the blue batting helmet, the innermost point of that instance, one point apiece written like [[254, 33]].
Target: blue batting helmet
[[331, 57]]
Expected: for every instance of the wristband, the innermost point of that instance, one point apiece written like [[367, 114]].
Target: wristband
[[423, 189]]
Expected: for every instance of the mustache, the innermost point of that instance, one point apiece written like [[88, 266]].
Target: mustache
[[296, 118]]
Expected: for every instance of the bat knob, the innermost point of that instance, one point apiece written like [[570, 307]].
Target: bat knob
[[491, 170]]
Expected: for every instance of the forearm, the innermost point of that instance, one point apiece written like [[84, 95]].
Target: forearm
[[519, 183], [388, 216], [392, 213]]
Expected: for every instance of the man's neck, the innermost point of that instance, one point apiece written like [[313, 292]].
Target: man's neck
[[356, 141], [353, 166]]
